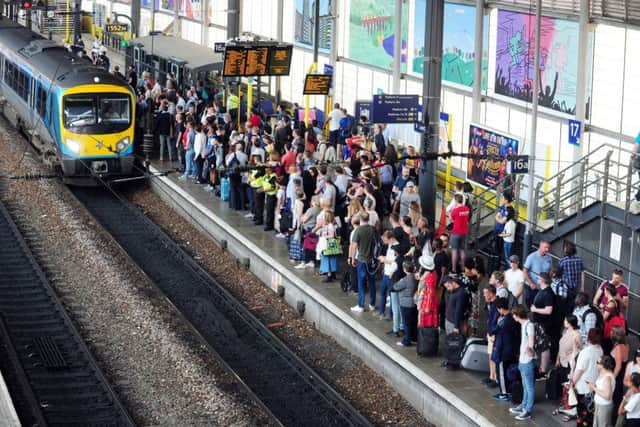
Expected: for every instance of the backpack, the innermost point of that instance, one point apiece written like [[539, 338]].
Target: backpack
[[513, 301], [541, 341], [233, 165], [376, 251], [599, 318]]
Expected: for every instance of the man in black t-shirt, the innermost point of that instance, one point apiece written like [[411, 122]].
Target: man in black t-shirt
[[133, 77], [542, 309], [360, 256]]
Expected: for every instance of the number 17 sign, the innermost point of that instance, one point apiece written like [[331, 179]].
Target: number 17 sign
[[575, 131]]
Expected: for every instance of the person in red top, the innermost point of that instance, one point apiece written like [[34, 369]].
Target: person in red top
[[460, 216], [289, 158], [254, 119], [622, 292], [428, 310]]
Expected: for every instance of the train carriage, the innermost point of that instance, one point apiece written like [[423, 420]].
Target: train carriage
[[82, 114]]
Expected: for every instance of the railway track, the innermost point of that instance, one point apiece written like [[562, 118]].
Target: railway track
[[290, 389], [50, 373]]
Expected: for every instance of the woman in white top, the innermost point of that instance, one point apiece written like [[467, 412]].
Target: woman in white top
[[509, 234], [603, 392], [630, 406]]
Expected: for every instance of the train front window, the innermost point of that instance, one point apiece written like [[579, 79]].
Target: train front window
[[108, 113]]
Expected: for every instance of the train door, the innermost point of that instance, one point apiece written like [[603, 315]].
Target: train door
[[137, 59]]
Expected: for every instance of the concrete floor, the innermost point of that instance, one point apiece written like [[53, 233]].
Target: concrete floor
[[464, 384]]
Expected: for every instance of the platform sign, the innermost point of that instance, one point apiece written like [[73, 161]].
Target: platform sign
[[520, 164], [363, 108], [235, 58], [116, 28], [397, 109], [257, 61], [317, 84], [575, 131], [219, 47], [280, 60]]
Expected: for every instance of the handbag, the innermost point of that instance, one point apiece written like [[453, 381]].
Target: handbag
[[333, 247], [572, 399], [310, 241], [321, 246]]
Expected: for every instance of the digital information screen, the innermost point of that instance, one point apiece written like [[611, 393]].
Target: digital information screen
[[257, 60], [280, 60], [317, 84], [235, 58], [264, 60]]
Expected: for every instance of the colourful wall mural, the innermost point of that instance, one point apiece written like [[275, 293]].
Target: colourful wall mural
[[303, 29], [558, 60], [371, 32], [458, 57]]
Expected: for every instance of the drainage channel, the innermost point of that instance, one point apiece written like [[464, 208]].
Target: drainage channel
[[288, 387], [51, 375]]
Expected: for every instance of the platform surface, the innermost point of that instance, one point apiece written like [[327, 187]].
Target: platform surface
[[464, 385]]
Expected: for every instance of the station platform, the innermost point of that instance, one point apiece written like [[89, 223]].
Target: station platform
[[443, 397]]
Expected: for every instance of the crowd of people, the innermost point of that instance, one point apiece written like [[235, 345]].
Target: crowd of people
[[349, 203]]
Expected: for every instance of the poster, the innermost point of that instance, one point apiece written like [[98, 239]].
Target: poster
[[497, 147], [371, 32], [558, 60], [303, 33], [458, 50], [190, 8], [161, 5]]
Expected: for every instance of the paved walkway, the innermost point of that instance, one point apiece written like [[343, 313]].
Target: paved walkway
[[465, 385]]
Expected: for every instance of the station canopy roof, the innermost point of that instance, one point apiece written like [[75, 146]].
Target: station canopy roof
[[194, 55]]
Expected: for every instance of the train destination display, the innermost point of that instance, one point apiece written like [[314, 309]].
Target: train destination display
[[280, 60], [257, 60], [395, 108], [317, 84]]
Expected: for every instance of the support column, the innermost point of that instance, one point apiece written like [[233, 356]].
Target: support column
[[279, 24], [316, 47], [233, 19], [152, 10], [135, 18], [531, 143], [204, 20], [431, 89], [581, 87], [397, 48], [176, 18], [476, 102]]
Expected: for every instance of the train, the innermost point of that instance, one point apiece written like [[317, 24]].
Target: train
[[80, 116]]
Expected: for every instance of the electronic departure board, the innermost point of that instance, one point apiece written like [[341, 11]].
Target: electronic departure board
[[280, 60], [317, 84], [235, 58], [257, 60]]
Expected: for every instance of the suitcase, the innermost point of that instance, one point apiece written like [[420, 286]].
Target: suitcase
[[455, 346], [428, 341], [516, 392], [553, 387], [475, 356], [224, 189]]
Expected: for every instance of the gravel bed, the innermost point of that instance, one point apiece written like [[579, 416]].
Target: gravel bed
[[364, 388], [161, 372]]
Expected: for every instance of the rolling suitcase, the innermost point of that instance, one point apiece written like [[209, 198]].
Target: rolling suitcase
[[428, 341], [553, 388], [475, 356], [455, 346], [224, 189]]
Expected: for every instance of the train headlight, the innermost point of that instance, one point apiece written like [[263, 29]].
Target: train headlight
[[123, 144], [73, 145]]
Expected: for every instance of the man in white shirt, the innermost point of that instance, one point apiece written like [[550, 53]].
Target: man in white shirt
[[526, 363], [334, 125], [515, 278]]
